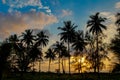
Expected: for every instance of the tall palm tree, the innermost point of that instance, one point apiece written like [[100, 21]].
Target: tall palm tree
[[95, 26], [51, 56], [27, 40], [35, 53], [67, 35], [41, 41], [79, 45], [59, 48]]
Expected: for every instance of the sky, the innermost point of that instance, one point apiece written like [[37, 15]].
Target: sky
[[18, 15]]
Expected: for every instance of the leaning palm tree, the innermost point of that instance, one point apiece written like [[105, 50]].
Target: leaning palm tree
[[67, 35], [41, 41], [51, 56], [79, 45], [95, 26]]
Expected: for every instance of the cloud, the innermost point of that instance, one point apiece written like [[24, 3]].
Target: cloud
[[111, 28], [15, 5], [117, 5], [18, 22], [3, 1], [66, 13]]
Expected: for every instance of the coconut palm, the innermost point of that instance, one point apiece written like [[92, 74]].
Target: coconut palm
[[27, 38], [41, 41], [95, 27], [35, 53], [50, 55], [79, 45], [59, 48], [67, 35], [78, 41], [13, 38]]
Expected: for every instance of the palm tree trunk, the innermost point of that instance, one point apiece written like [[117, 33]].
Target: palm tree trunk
[[39, 66], [69, 54], [97, 55], [59, 63], [63, 67], [33, 66], [49, 66]]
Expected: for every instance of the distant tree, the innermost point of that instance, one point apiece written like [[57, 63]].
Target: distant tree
[[67, 35], [95, 26], [50, 55]]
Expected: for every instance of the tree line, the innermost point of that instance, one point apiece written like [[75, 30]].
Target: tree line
[[21, 52]]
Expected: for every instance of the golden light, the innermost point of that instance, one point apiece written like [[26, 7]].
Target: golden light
[[82, 60]]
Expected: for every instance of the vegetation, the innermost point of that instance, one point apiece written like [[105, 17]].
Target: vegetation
[[20, 52]]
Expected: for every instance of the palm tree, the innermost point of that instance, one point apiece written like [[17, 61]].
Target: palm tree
[[79, 44], [67, 35], [59, 48], [13, 38], [51, 56], [27, 37], [27, 40], [42, 41], [35, 53], [96, 27]]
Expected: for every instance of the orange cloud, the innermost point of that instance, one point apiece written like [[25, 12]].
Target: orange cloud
[[17, 22]]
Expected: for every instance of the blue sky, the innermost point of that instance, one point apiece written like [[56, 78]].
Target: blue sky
[[18, 15]]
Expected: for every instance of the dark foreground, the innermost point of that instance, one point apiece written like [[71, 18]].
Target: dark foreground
[[55, 76]]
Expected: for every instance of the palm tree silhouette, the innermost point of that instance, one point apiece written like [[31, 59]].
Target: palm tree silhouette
[[35, 53], [59, 48], [27, 38], [50, 55], [79, 45], [41, 41], [96, 27], [13, 38], [27, 41], [67, 35]]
